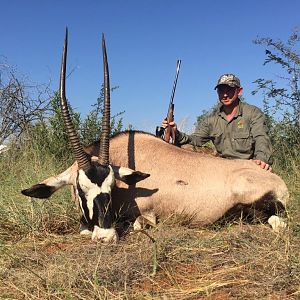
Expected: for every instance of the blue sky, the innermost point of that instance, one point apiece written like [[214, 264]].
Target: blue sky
[[144, 39]]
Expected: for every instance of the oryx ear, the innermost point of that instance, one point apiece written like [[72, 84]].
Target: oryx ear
[[39, 190], [129, 176]]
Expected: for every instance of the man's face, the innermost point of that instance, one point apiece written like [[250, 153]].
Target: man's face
[[228, 95]]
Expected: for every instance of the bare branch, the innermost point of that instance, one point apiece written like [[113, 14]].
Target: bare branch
[[20, 102]]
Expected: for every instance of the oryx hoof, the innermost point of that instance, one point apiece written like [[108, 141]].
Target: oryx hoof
[[277, 223]]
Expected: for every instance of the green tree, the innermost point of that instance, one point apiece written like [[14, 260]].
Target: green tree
[[57, 133], [282, 94], [91, 126], [48, 135]]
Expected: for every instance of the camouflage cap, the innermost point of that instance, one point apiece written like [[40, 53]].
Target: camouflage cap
[[229, 79]]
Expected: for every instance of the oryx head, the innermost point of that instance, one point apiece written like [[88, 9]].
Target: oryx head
[[95, 177], [92, 177]]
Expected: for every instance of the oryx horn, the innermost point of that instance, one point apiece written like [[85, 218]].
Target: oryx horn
[[76, 146], [104, 140]]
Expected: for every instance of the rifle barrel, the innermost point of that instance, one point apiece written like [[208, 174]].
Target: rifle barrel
[[175, 81]]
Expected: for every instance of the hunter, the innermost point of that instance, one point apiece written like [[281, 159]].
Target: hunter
[[238, 130]]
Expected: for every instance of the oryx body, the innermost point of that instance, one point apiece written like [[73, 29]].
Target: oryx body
[[200, 187]]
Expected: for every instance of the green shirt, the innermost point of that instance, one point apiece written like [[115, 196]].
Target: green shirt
[[244, 137]]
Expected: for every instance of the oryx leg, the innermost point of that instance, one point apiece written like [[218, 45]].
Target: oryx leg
[[147, 218]]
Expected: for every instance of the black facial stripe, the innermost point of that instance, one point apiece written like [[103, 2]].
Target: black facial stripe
[[84, 224], [97, 173], [102, 215], [83, 202]]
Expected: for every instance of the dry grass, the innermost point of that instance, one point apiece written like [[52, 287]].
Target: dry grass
[[42, 255], [237, 262]]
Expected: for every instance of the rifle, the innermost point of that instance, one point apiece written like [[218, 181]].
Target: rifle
[[167, 133]]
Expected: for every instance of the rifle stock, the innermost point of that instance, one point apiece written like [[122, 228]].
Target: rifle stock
[[169, 132]]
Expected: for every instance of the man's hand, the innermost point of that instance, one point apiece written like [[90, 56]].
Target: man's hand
[[263, 165], [165, 124]]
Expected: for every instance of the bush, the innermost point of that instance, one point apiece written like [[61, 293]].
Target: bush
[[48, 134]]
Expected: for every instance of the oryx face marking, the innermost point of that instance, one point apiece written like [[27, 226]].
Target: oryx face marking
[[94, 188]]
